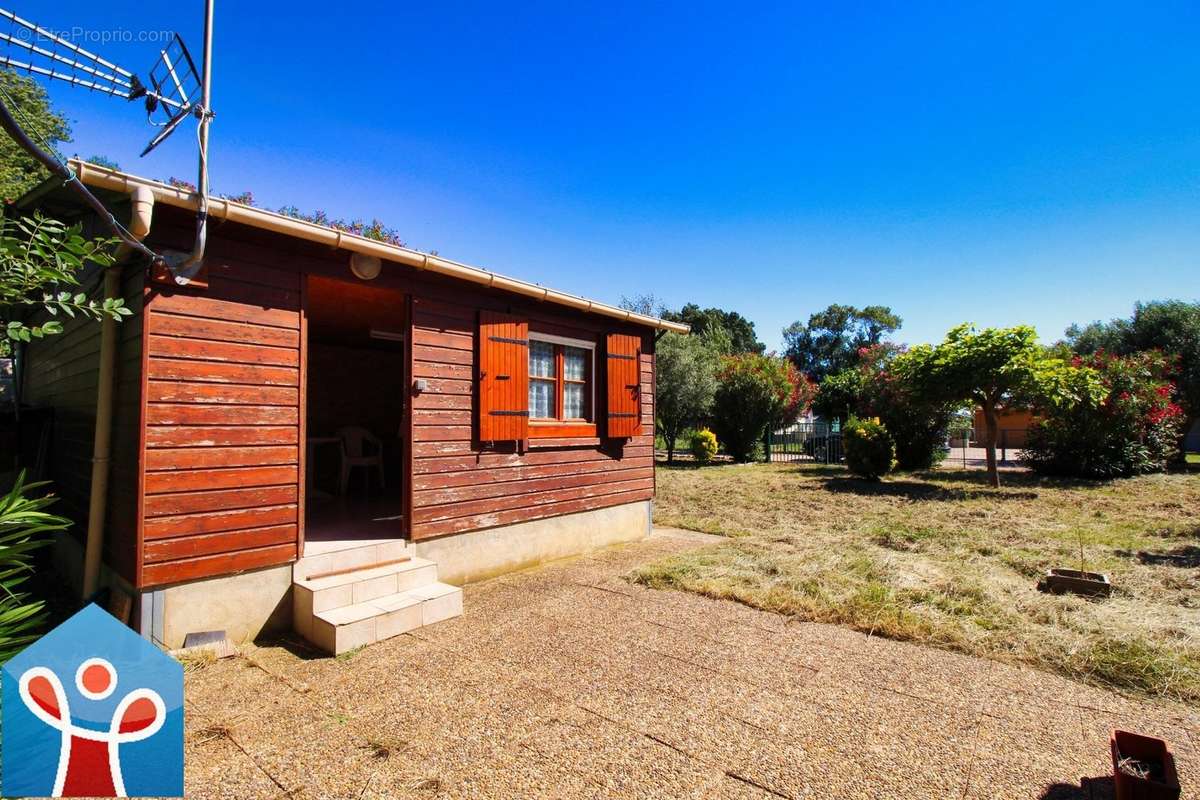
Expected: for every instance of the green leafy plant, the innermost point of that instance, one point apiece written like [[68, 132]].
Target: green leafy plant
[[885, 384], [994, 368], [870, 451], [24, 525], [1132, 428], [833, 339], [40, 262], [19, 171], [703, 445], [1171, 327], [686, 382], [754, 392]]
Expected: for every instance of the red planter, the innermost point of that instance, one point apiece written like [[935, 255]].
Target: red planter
[[1163, 785]]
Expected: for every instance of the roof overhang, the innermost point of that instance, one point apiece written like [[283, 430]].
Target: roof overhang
[[220, 208]]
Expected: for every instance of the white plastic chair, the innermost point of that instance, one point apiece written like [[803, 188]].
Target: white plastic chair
[[355, 453]]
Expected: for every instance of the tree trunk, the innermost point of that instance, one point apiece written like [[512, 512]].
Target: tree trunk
[[1180, 459], [992, 425]]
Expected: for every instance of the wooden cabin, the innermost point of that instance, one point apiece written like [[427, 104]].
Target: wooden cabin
[[332, 433]]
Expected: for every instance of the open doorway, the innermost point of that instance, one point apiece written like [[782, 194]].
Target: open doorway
[[356, 402]]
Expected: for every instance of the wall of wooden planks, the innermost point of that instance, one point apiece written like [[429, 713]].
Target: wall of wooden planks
[[459, 484], [208, 467], [223, 417]]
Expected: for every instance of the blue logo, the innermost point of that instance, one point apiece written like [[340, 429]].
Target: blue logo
[[92, 709]]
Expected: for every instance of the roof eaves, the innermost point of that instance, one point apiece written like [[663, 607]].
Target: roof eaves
[[223, 208]]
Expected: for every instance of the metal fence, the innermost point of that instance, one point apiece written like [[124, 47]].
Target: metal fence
[[821, 443], [813, 442], [966, 446]]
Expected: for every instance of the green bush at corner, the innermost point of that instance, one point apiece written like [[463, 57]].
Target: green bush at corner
[[870, 451], [703, 445]]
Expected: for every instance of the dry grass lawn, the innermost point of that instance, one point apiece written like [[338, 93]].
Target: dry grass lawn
[[942, 559]]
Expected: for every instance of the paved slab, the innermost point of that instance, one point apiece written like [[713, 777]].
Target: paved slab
[[567, 681]]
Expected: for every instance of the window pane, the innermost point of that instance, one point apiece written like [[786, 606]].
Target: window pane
[[573, 400], [541, 403], [541, 360], [574, 363]]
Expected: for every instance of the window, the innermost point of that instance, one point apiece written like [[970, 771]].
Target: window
[[560, 379]]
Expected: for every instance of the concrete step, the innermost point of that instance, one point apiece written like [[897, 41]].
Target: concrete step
[[338, 630], [321, 558], [360, 585]]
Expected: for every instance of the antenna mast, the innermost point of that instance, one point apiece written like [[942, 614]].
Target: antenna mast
[[187, 269], [169, 94]]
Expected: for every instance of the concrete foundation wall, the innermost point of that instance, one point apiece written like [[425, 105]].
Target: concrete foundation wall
[[244, 606], [248, 605], [476, 555]]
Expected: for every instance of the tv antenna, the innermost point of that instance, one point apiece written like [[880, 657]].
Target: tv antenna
[[172, 92]]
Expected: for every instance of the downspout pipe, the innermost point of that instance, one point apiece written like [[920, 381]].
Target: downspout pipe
[[190, 266], [142, 213]]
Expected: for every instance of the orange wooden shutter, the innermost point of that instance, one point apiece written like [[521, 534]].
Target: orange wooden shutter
[[624, 385], [503, 377]]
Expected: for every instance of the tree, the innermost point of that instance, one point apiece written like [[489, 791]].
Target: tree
[[992, 368], [1131, 428], [740, 331], [832, 339], [841, 395], [103, 161], [40, 261], [686, 382], [1170, 326], [19, 171], [885, 385], [648, 304], [755, 392], [918, 423]]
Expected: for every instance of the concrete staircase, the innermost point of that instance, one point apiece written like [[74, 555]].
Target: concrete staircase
[[354, 593]]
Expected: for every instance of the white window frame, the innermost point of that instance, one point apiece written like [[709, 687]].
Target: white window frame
[[581, 344]]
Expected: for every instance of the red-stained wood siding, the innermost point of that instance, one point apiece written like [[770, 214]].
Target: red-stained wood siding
[[222, 418], [461, 482]]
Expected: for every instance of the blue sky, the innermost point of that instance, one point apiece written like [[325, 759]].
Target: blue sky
[[1001, 163]]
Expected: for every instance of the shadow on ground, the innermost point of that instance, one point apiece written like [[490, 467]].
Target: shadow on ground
[[919, 490], [1088, 789], [1186, 556]]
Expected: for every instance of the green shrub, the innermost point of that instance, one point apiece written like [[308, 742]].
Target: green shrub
[[23, 529], [869, 448], [882, 385], [703, 445], [1133, 429], [754, 392]]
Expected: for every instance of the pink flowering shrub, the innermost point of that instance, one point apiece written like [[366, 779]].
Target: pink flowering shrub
[[1132, 429], [753, 392]]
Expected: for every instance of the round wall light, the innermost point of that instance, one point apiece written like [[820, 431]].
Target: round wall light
[[365, 267]]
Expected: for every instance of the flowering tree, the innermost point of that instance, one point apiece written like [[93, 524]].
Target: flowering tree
[[1131, 427], [1169, 326], [754, 392]]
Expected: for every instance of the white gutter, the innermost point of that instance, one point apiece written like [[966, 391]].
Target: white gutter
[[221, 208]]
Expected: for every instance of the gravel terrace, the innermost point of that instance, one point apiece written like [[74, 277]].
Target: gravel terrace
[[568, 681]]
